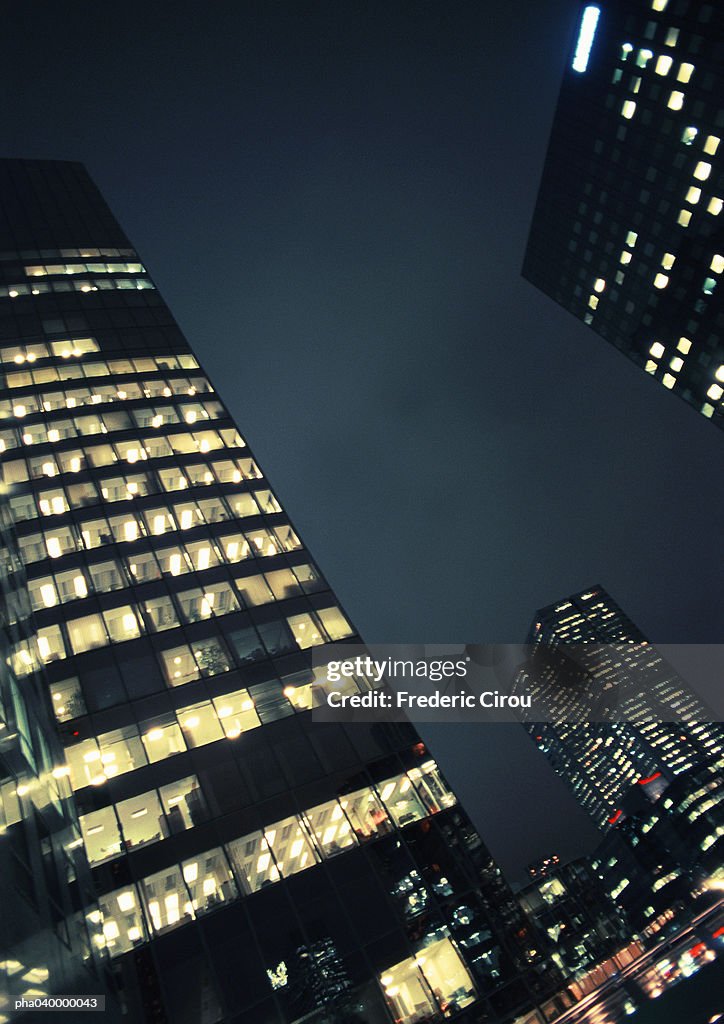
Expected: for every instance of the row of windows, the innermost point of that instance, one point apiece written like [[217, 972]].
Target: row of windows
[[93, 761], [208, 657], [59, 500], [143, 819], [149, 417], [102, 394], [94, 285], [243, 866], [96, 456], [89, 252], [46, 269], [21, 353], [160, 610], [127, 528]]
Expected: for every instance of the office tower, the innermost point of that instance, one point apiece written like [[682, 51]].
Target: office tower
[[584, 649], [50, 935], [627, 229], [587, 933], [251, 864], [663, 860]]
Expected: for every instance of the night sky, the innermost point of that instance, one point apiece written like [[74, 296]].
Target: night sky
[[334, 200]]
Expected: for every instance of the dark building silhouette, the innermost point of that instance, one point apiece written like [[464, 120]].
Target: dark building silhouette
[[663, 860], [250, 863], [627, 230]]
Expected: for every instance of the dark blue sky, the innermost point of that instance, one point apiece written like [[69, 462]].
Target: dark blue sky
[[334, 199]]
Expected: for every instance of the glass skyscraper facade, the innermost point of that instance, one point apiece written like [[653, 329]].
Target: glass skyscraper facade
[[627, 230], [249, 863], [50, 927], [602, 759]]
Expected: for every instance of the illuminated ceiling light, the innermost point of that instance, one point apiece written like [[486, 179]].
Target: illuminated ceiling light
[[126, 901], [154, 734], [586, 33]]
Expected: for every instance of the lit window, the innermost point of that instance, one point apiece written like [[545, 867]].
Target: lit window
[[709, 286], [643, 57], [586, 33], [657, 350], [720, 373], [685, 72], [659, 5], [628, 109], [689, 134], [676, 364], [668, 380], [715, 392], [672, 37], [663, 65], [684, 346], [717, 264], [626, 50], [707, 410], [715, 206], [635, 83], [702, 170], [593, 301], [661, 281], [599, 285], [676, 100], [631, 238], [667, 261], [684, 218], [693, 195], [625, 256], [651, 366], [711, 145]]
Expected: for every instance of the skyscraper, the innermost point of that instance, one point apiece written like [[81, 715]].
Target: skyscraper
[[627, 230], [602, 758], [251, 864]]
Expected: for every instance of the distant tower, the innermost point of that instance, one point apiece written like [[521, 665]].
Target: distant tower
[[627, 231], [601, 760]]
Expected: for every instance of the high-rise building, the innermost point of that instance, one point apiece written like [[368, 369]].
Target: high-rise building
[[250, 863], [627, 230], [583, 649], [663, 860]]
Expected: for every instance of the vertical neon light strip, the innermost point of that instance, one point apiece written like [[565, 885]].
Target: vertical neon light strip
[[587, 31]]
